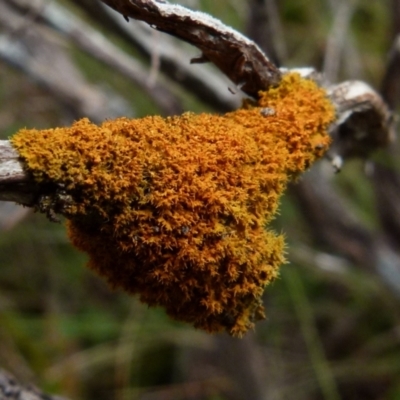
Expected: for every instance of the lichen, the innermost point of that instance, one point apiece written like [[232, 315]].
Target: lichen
[[176, 209]]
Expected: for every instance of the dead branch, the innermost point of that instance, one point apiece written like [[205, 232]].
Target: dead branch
[[35, 51], [15, 184], [203, 83], [390, 87], [236, 56], [93, 43], [331, 221], [264, 27], [364, 121], [385, 176], [11, 389], [337, 38], [334, 225], [356, 243]]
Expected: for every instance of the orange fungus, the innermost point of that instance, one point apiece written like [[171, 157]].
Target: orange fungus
[[176, 209]]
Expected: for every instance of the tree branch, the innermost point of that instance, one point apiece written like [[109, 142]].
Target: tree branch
[[39, 55], [237, 57], [338, 38], [15, 184], [364, 121], [11, 389], [93, 43], [202, 83], [264, 27]]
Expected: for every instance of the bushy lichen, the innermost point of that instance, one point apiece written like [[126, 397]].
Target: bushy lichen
[[176, 209]]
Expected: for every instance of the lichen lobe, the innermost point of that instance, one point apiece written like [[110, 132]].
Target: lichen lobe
[[176, 209]]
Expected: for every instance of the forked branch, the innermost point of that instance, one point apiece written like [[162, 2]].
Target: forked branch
[[364, 121]]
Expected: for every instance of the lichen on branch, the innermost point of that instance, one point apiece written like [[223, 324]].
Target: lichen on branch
[[176, 210]]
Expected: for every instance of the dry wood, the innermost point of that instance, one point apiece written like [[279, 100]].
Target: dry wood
[[364, 121], [326, 215], [15, 183], [237, 57], [38, 52], [11, 389], [203, 83], [93, 43]]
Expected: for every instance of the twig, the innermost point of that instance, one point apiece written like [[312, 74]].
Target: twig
[[264, 27], [337, 38], [36, 52], [11, 389], [98, 46], [385, 176], [15, 183], [330, 221], [390, 87], [364, 121], [236, 56], [203, 83], [334, 225]]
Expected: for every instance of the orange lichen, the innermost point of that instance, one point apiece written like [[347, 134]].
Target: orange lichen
[[176, 209]]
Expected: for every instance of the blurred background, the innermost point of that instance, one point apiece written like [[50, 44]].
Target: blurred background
[[333, 317]]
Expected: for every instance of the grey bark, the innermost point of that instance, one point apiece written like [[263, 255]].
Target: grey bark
[[15, 184], [11, 389]]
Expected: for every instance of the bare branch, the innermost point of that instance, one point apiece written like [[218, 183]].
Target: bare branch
[[264, 27], [11, 389], [364, 121], [337, 38], [390, 87], [236, 56], [202, 82], [332, 223], [386, 182], [385, 176], [15, 183], [92, 42], [36, 52], [330, 220]]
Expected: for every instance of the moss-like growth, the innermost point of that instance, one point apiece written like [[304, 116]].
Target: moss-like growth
[[176, 209]]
